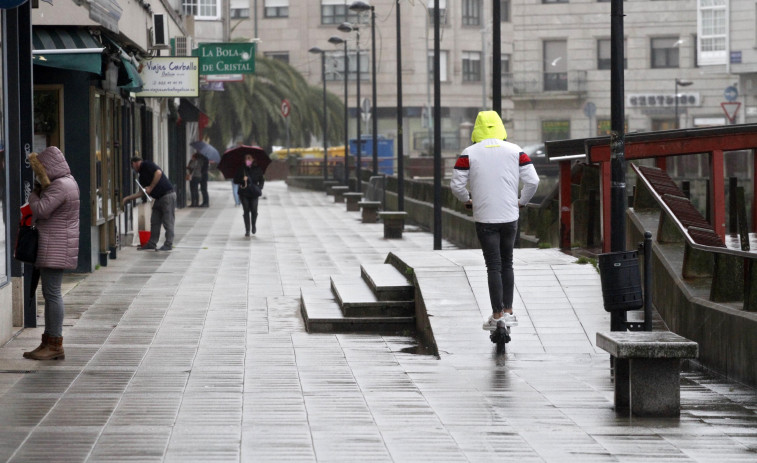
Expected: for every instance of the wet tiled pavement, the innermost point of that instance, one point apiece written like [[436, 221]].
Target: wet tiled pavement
[[201, 355]]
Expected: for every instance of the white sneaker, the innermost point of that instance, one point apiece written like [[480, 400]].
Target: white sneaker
[[491, 323], [510, 319]]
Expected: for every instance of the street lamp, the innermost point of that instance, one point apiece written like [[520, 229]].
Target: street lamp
[[400, 147], [361, 7], [316, 50], [336, 41], [347, 27], [680, 83]]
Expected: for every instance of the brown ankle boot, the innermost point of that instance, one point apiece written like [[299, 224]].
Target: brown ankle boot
[[53, 350], [39, 348]]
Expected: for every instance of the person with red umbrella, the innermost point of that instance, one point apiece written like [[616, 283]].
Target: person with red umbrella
[[250, 179]]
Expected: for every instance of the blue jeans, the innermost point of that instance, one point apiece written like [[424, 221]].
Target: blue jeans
[[235, 192], [497, 241]]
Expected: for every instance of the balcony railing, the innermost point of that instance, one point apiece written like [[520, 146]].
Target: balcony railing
[[533, 84]]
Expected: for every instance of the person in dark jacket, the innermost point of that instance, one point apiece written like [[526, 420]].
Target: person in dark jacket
[[55, 207], [160, 188], [250, 180]]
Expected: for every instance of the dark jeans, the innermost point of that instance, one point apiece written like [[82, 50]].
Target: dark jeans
[[497, 241], [249, 212], [204, 190], [194, 191]]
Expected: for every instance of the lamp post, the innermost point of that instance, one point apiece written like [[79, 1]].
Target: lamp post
[[336, 41], [347, 27], [680, 83], [360, 7], [400, 147], [316, 50]]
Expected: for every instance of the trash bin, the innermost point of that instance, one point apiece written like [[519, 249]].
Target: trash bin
[[621, 281]]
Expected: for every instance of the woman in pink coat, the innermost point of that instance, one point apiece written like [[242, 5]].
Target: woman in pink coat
[[55, 208]]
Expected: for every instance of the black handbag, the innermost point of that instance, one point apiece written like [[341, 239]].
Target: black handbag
[[26, 244]]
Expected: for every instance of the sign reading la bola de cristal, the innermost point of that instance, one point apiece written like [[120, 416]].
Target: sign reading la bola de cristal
[[226, 58]]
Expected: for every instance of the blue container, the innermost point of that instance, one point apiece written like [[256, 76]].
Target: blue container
[[385, 153]]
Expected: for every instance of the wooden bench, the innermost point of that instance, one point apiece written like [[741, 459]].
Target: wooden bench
[[394, 223], [370, 210], [352, 199], [327, 184], [647, 370], [339, 192]]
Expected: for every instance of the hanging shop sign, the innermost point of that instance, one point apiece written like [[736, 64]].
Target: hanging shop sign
[[170, 76], [226, 58]]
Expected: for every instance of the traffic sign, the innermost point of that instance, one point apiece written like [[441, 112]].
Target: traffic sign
[[285, 107], [590, 109], [731, 93], [730, 109]]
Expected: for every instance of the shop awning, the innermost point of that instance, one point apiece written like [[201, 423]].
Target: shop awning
[[67, 48], [128, 75]]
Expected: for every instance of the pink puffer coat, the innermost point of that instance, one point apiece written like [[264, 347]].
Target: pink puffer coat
[[55, 210]]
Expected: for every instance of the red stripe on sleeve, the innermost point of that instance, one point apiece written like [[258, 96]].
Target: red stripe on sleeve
[[462, 163], [524, 159]]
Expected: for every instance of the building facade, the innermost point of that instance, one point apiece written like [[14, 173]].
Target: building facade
[[71, 79], [555, 62]]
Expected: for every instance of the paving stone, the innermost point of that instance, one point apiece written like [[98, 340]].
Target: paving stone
[[202, 355]]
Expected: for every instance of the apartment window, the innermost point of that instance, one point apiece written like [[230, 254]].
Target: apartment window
[[555, 130], [239, 9], [471, 12], [604, 54], [471, 66], [239, 13], [442, 65], [506, 78], [335, 65], [505, 59], [276, 9], [555, 65], [442, 12], [504, 11], [712, 32], [665, 52], [278, 55], [202, 9], [337, 12]]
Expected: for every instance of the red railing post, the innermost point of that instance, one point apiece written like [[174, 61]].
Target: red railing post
[[565, 204], [717, 192]]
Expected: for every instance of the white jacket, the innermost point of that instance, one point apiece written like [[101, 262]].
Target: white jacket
[[494, 169]]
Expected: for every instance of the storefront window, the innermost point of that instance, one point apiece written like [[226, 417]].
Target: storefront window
[[97, 157], [4, 261]]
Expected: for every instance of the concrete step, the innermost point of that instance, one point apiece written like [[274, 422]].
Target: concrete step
[[322, 314], [387, 283], [357, 299]]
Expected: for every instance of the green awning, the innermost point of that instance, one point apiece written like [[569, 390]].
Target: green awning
[[67, 48], [128, 75]]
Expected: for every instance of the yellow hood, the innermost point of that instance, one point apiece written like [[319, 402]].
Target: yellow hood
[[488, 125]]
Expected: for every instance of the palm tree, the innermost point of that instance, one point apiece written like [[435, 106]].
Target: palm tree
[[249, 111]]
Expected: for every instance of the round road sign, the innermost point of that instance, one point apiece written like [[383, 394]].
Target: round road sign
[[285, 107], [731, 93]]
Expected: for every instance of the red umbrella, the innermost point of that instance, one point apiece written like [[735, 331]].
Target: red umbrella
[[233, 159]]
